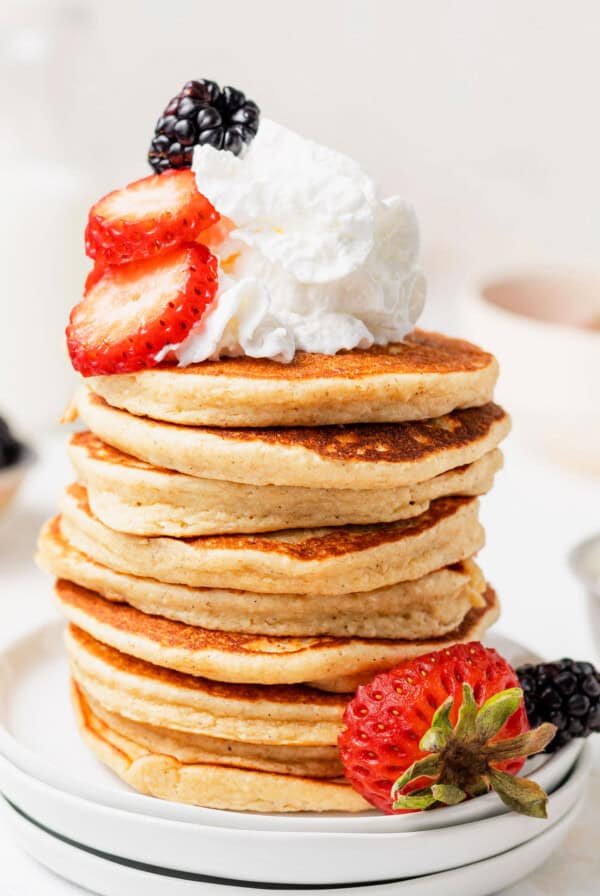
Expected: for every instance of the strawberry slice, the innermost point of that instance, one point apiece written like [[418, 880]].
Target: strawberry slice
[[217, 233], [132, 311], [147, 218]]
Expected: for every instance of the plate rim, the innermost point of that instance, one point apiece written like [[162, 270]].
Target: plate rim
[[373, 858], [580, 769], [555, 832]]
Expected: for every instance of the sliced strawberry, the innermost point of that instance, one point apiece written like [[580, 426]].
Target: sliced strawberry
[[148, 217], [216, 234], [93, 276], [132, 311]]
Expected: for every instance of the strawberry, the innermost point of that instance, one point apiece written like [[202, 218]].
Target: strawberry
[[92, 278], [132, 311], [216, 234], [439, 729], [147, 218]]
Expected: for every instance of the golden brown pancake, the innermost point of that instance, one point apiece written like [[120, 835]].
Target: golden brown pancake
[[132, 496], [428, 607], [298, 561], [371, 456], [288, 715], [425, 376], [203, 784], [333, 663], [313, 762]]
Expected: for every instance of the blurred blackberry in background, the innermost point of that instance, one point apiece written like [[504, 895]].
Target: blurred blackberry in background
[[566, 693], [11, 449], [201, 113]]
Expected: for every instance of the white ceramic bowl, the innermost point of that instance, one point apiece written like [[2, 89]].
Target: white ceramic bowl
[[540, 325]]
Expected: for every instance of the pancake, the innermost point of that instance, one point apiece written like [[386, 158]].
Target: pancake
[[132, 496], [254, 659], [372, 456], [292, 715], [213, 786], [313, 762], [427, 607], [425, 376], [297, 561]]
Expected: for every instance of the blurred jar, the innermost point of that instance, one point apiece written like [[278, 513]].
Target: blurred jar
[[544, 327], [44, 195]]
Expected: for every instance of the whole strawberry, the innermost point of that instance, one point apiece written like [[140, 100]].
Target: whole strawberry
[[439, 729]]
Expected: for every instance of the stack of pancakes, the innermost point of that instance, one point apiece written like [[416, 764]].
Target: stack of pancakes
[[248, 541]]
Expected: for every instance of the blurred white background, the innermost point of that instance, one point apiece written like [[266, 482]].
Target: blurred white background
[[484, 114]]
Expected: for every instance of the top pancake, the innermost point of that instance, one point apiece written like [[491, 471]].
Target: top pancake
[[425, 376], [155, 764]]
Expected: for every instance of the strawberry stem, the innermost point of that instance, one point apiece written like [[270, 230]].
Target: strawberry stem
[[461, 760], [496, 712], [519, 794], [422, 768], [441, 717], [467, 715], [448, 794], [526, 744]]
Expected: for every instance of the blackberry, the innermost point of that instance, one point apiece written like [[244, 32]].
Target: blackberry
[[201, 113], [10, 449], [565, 693]]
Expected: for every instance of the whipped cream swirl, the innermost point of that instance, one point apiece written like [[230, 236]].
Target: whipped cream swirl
[[314, 260]]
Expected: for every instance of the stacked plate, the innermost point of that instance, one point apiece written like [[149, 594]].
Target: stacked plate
[[83, 823]]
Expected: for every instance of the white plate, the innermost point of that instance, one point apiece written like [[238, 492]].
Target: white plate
[[40, 738], [279, 857], [108, 877]]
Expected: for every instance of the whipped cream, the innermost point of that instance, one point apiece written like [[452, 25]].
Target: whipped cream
[[315, 261]]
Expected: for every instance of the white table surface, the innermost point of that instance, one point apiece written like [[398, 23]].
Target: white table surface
[[535, 514]]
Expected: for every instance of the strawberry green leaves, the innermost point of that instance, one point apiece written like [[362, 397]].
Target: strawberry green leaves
[[461, 761]]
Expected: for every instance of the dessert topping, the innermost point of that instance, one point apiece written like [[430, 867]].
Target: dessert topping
[[130, 312], [316, 261], [442, 728], [566, 693], [146, 218], [202, 114]]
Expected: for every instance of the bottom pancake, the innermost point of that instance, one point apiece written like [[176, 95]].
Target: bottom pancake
[[204, 784], [311, 762], [336, 664]]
